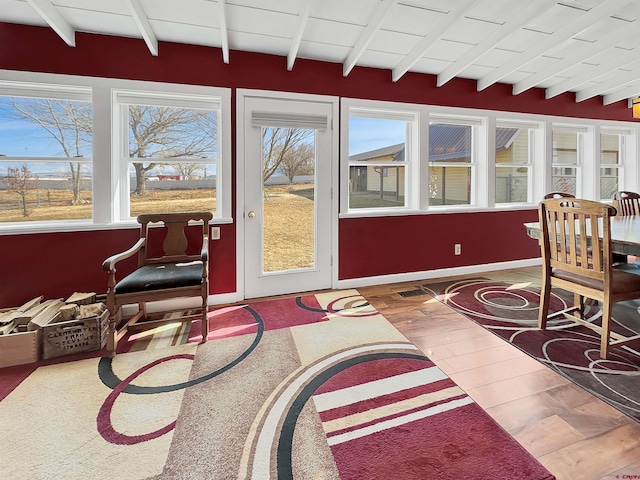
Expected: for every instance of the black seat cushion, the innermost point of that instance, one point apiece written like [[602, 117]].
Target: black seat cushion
[[157, 277]]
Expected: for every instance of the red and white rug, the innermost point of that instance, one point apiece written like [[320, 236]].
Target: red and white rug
[[314, 387]]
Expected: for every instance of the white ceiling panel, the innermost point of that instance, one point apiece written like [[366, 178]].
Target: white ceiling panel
[[488, 41], [411, 20], [197, 35], [393, 42], [100, 22], [191, 12], [470, 31], [252, 42], [345, 34], [323, 51], [19, 11], [261, 22], [356, 12]]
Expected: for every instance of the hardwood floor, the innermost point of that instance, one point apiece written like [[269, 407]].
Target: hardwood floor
[[572, 433]]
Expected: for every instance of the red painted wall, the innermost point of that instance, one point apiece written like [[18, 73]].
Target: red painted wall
[[56, 264]]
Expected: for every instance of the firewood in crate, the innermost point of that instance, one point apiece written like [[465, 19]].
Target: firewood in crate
[[80, 298], [69, 312], [46, 315], [6, 327], [30, 304], [93, 310]]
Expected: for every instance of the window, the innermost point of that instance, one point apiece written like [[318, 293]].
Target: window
[[566, 160], [45, 153], [169, 153], [611, 161], [451, 163], [380, 158], [513, 157]]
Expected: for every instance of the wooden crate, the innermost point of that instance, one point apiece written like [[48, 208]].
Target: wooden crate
[[75, 336], [20, 348]]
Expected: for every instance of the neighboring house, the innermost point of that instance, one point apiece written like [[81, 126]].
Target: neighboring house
[[450, 165]]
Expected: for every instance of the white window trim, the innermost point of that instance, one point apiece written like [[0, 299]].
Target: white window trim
[[540, 160], [99, 91]]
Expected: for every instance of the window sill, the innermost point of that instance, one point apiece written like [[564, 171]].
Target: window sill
[[79, 226], [439, 211]]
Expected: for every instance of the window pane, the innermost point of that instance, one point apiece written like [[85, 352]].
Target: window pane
[[174, 134], [512, 184], [41, 127], [449, 185], [512, 147], [377, 162], [41, 191], [288, 199], [451, 144], [178, 187], [170, 132], [564, 180], [376, 187], [610, 154], [565, 148], [565, 152]]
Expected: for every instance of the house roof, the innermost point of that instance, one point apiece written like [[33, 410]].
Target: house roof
[[446, 142]]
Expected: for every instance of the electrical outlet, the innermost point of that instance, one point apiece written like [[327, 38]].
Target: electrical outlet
[[457, 249], [215, 233]]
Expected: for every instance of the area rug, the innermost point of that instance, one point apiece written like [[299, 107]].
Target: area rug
[[509, 308], [312, 387]]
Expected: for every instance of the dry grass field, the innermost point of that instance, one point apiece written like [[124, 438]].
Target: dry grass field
[[288, 215]]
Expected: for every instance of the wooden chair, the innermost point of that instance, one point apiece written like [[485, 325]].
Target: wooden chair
[[174, 269], [559, 195], [584, 268], [626, 203]]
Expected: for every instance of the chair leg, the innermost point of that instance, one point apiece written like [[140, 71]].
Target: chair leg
[[112, 341], [545, 295], [606, 329], [205, 320]]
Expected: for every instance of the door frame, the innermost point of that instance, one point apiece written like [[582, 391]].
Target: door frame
[[241, 95]]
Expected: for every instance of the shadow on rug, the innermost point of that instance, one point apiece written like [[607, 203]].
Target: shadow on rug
[[510, 310], [319, 386]]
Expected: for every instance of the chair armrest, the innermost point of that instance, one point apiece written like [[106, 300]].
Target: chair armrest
[[204, 253], [110, 263], [204, 256]]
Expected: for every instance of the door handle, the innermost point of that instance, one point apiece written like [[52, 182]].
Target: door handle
[[251, 214]]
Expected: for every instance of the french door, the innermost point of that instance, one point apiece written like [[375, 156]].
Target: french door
[[287, 208]]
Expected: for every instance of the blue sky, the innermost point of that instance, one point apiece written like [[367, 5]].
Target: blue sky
[[367, 134], [21, 138]]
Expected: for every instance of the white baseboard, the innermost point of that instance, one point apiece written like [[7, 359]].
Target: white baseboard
[[233, 297], [441, 273]]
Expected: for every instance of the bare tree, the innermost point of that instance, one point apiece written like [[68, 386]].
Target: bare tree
[[298, 161], [277, 143], [68, 122], [21, 181], [158, 132], [167, 132]]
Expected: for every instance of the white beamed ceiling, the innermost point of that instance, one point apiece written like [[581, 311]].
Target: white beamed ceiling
[[590, 47]]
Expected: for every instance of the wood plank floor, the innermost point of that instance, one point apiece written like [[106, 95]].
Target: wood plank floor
[[572, 433]]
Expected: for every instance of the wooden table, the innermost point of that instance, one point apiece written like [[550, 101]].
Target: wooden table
[[625, 234]]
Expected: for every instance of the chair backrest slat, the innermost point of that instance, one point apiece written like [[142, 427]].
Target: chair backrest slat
[[576, 236], [175, 243], [626, 203]]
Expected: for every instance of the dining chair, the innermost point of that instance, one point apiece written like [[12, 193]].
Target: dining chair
[[172, 262], [576, 256], [559, 195], [626, 203]]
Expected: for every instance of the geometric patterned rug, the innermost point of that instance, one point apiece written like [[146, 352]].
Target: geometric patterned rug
[[509, 309], [312, 387]]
